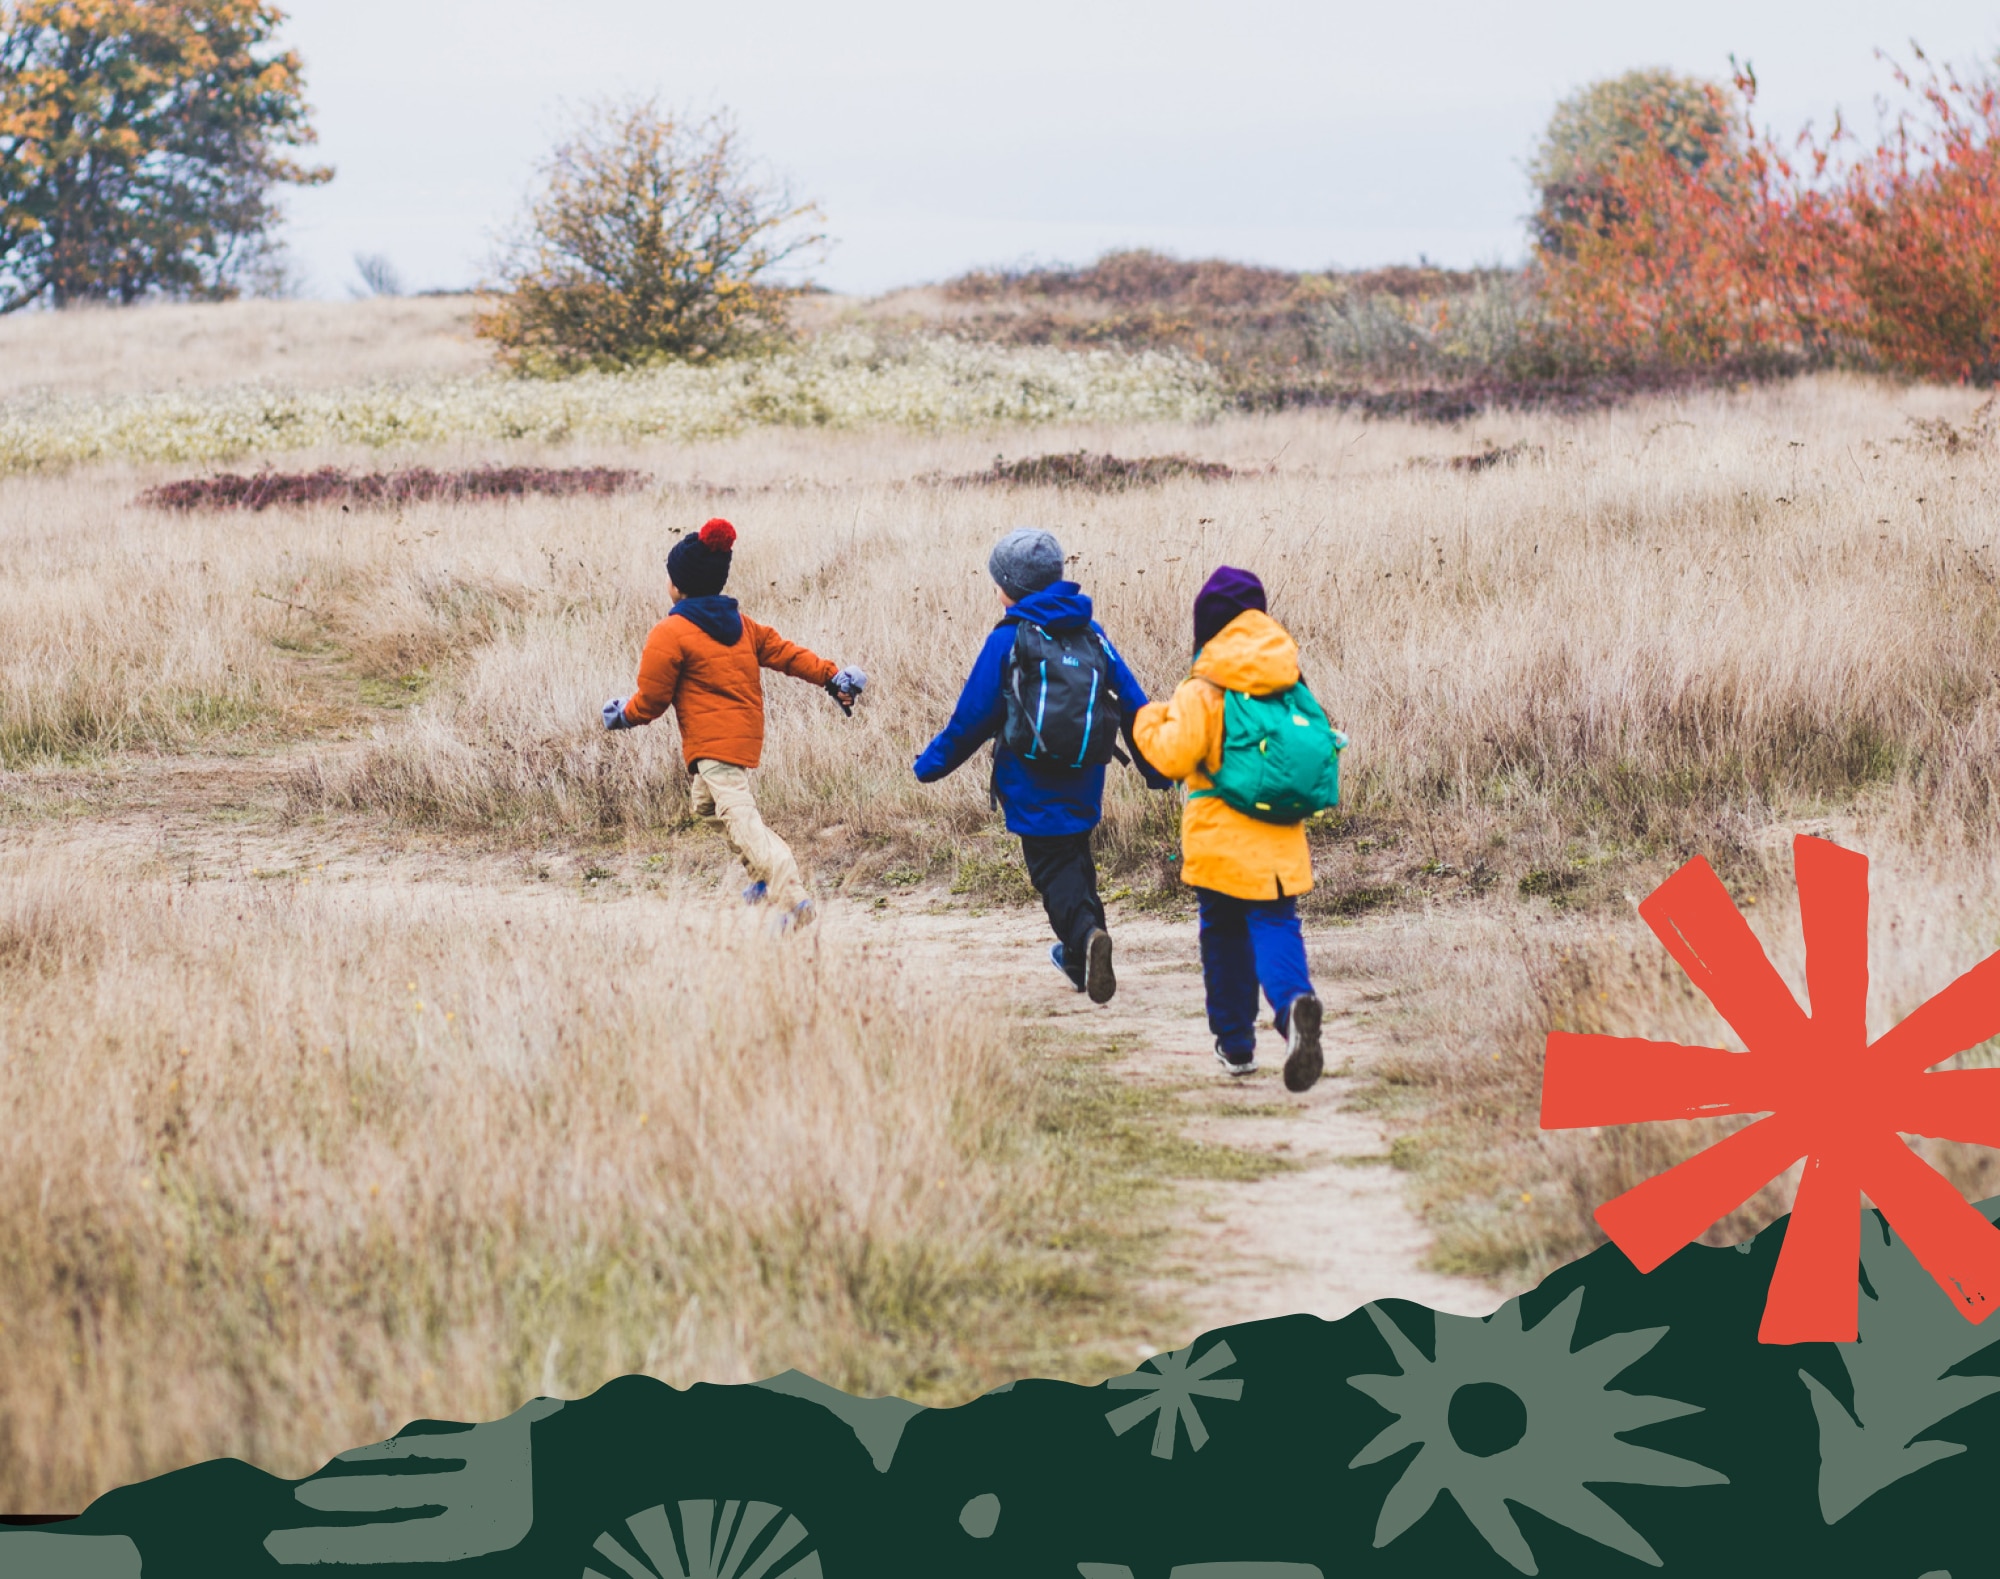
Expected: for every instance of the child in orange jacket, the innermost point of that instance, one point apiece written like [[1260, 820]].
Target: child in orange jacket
[[705, 661], [1247, 875]]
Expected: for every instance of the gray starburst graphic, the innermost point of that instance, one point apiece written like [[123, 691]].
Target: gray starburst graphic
[[1174, 1384], [725, 1545], [1507, 1415]]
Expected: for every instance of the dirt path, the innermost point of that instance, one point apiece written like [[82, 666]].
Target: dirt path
[[1325, 1231], [1329, 1232]]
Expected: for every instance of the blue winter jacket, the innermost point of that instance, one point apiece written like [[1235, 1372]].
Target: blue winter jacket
[[1037, 802]]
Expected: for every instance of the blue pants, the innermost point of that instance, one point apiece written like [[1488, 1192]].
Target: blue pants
[[1245, 944]]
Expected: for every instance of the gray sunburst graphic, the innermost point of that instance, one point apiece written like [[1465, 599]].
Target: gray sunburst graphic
[[737, 1542]]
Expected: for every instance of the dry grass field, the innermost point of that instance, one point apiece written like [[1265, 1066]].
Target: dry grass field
[[508, 1096]]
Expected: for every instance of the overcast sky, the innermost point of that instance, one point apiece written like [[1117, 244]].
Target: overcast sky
[[940, 136]]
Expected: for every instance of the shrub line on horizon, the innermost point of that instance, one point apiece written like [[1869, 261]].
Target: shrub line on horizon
[[841, 381], [413, 485]]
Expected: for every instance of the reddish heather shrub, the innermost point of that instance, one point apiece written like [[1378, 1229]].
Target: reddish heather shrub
[[1757, 253], [1737, 256], [331, 485], [1925, 236]]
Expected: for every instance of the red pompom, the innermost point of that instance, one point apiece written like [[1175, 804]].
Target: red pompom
[[718, 536]]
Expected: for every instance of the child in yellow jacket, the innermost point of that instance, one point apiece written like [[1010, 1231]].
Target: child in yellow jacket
[[1247, 875]]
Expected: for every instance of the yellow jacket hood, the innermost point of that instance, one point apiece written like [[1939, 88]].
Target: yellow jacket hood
[[1223, 850], [1253, 653]]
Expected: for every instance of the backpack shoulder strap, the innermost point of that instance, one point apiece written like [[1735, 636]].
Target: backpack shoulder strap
[[1211, 768]]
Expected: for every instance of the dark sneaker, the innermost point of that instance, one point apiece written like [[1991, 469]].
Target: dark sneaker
[[1098, 980], [1303, 1063], [1246, 1065], [1056, 954]]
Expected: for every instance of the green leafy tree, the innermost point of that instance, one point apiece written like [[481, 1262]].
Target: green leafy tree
[[651, 238], [140, 143], [1639, 111]]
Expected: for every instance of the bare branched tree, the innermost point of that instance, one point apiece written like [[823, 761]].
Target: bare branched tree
[[379, 277], [651, 237]]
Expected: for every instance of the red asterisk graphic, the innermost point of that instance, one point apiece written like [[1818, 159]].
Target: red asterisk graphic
[[1830, 1097]]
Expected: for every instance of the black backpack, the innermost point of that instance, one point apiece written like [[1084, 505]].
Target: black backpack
[[1062, 701]]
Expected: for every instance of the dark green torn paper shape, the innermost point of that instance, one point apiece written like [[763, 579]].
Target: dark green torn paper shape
[[1602, 1424]]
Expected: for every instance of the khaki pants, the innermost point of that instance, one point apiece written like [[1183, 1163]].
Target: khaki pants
[[720, 796]]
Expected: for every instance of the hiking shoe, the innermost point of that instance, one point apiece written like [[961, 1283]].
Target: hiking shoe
[[1061, 964], [1303, 1062], [801, 916], [1098, 980], [1247, 1065], [755, 893]]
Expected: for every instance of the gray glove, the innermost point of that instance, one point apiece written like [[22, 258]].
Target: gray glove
[[614, 714], [845, 686]]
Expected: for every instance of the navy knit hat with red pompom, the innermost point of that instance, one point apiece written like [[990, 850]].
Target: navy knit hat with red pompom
[[699, 563]]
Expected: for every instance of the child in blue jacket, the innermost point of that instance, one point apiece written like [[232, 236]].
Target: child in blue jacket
[[1052, 810]]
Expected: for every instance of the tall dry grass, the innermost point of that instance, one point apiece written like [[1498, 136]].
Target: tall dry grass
[[202, 345], [1653, 620], [288, 1167], [1477, 990], [1691, 625]]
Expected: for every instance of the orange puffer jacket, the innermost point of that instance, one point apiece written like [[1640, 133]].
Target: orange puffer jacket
[[716, 692]]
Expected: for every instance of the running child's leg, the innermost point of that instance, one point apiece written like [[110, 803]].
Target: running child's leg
[[1280, 948], [1229, 974], [1279, 945], [722, 797], [1065, 875]]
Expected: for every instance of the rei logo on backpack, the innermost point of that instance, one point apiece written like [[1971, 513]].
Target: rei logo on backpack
[[1280, 756], [1062, 701]]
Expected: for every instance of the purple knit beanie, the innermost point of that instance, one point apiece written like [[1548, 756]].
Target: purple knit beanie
[[1225, 595]]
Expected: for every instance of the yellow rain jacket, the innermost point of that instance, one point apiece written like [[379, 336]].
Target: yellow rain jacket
[[1222, 849]]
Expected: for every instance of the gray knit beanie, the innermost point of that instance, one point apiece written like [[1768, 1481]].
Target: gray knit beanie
[[1026, 560]]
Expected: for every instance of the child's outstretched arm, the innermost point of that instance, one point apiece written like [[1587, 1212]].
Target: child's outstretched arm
[[788, 657], [1134, 695], [659, 677], [976, 718], [1179, 736]]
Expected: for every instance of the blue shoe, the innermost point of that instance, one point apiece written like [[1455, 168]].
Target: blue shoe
[[800, 917], [1056, 955], [754, 894]]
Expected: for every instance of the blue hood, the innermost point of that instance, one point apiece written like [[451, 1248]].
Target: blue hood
[[1062, 606], [716, 616]]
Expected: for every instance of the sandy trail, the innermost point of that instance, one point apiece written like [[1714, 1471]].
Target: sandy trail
[[1330, 1232], [1323, 1237]]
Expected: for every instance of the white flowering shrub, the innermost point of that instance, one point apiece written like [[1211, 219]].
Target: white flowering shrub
[[840, 381]]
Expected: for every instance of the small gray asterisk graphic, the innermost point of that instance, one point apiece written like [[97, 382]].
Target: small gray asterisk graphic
[[1174, 1384]]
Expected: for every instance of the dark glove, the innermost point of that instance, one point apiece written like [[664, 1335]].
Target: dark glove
[[1155, 780]]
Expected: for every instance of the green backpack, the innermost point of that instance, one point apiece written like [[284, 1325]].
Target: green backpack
[[1280, 756]]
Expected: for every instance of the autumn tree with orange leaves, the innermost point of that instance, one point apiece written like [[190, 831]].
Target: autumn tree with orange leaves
[[1924, 247], [140, 145], [1709, 242]]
